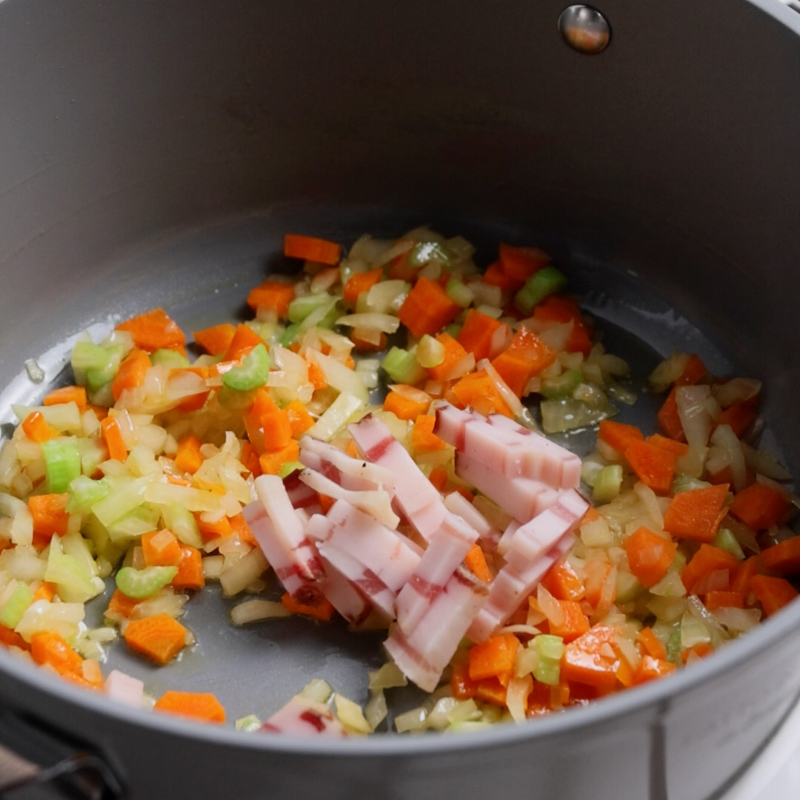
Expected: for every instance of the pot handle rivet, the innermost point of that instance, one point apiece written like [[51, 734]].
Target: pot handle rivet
[[584, 29]]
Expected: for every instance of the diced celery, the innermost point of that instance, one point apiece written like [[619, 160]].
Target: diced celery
[[686, 483], [141, 583], [607, 484], [140, 520], [628, 587], [62, 461], [248, 724], [183, 524], [251, 373], [302, 306], [693, 631], [75, 584], [87, 355], [171, 359], [562, 385], [96, 378], [673, 646], [459, 292], [85, 492], [559, 416], [453, 329], [288, 467], [16, 605], [125, 495], [290, 335], [549, 646], [725, 540], [545, 282], [430, 352], [402, 366], [548, 671]]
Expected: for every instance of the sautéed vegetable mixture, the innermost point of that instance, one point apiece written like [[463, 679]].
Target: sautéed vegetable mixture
[[374, 441]]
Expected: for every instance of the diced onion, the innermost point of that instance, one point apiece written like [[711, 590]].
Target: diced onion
[[255, 610]]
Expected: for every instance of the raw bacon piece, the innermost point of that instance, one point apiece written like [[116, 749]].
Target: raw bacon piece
[[423, 654], [280, 532], [348, 472], [302, 717], [447, 549], [523, 498], [415, 494], [458, 504]]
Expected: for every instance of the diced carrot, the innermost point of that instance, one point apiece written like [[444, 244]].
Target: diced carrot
[[650, 668], [161, 549], [495, 275], [525, 357], [92, 674], [618, 435], [520, 263], [679, 449], [310, 248], [272, 462], [249, 457], [699, 650], [240, 527], [557, 308], [407, 402], [589, 660], [217, 339], [696, 514], [423, 439], [199, 706], [277, 429], [262, 404], [651, 643], [760, 506], [462, 686], [363, 344], [706, 560], [50, 647], [694, 372], [37, 429], [325, 502], [782, 558], [494, 657], [316, 375], [112, 436], [131, 373], [427, 308], [213, 530], [563, 582], [668, 418], [321, 609], [361, 282], [49, 512], [476, 389], [740, 416], [243, 341], [46, 591], [654, 466], [723, 599], [272, 296], [574, 622], [454, 353], [159, 637], [188, 458], [154, 330], [649, 555], [438, 477], [121, 604], [475, 562], [491, 690], [299, 418], [596, 573], [743, 574], [67, 394], [10, 638], [477, 334], [772, 593]]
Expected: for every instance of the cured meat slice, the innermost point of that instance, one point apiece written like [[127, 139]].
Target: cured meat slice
[[302, 717], [458, 504], [348, 472], [416, 496], [423, 654], [447, 549]]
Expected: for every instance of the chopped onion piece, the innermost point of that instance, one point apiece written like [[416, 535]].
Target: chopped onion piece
[[694, 414], [255, 610], [737, 390], [763, 462], [502, 387], [351, 715], [725, 438], [379, 322], [737, 619], [243, 572], [779, 487]]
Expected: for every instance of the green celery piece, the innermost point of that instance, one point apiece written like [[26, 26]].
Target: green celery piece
[[550, 647], [607, 484], [248, 724], [85, 493], [75, 584], [541, 284], [562, 385], [251, 373], [302, 306], [290, 335], [423, 252], [725, 540], [62, 463], [453, 329], [171, 359], [87, 355], [686, 483], [15, 606], [430, 351], [548, 671], [673, 647], [183, 524], [402, 366], [459, 292], [126, 494], [288, 467], [142, 583], [96, 378]]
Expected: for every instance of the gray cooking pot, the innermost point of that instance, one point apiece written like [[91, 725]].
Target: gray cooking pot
[[154, 153]]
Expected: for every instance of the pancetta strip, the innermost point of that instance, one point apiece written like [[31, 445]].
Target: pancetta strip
[[447, 549], [348, 472], [416, 496], [423, 654], [458, 504], [302, 717]]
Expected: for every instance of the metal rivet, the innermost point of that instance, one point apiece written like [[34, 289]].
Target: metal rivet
[[584, 29]]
